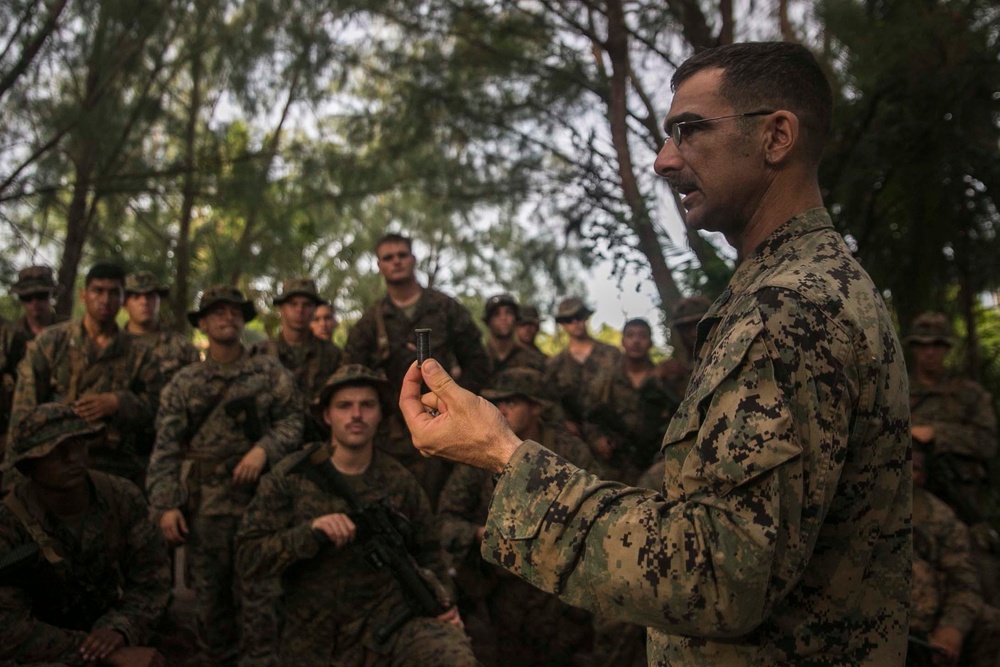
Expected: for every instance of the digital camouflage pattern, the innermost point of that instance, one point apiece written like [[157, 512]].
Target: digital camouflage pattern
[[511, 621], [334, 600], [962, 415], [945, 585], [14, 339], [115, 575], [63, 364], [198, 443], [46, 427], [171, 350], [784, 533], [519, 357], [455, 339], [578, 387]]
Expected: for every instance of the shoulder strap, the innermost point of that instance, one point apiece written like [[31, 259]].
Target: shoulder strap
[[382, 350], [48, 546], [77, 364], [195, 426]]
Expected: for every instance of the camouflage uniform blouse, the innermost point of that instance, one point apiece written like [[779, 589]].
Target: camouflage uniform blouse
[[198, 441], [578, 387], [172, 351], [115, 576], [783, 536], [519, 357], [962, 415], [333, 598], [455, 338]]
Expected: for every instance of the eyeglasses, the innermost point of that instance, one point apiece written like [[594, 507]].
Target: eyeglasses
[[28, 298], [571, 318], [677, 129]]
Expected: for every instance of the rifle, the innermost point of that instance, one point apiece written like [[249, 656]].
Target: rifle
[[14, 560], [253, 429], [384, 547], [922, 652]]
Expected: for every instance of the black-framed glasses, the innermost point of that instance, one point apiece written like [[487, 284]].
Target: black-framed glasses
[[677, 129], [570, 318], [39, 296]]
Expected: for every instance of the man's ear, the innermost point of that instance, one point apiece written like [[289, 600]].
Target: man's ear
[[781, 137]]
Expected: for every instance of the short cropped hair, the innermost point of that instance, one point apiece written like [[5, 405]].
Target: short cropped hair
[[105, 271], [761, 76], [640, 323], [393, 237]]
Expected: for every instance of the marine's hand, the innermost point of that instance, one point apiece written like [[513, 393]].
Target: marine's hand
[[603, 448], [452, 616], [468, 428], [136, 656], [338, 527], [101, 643], [250, 466], [949, 641], [922, 434], [96, 406], [173, 526]]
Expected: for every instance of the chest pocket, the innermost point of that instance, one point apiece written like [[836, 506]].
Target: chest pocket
[[750, 427]]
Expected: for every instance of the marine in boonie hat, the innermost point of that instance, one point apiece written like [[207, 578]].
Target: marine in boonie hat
[[145, 282], [498, 300], [43, 429], [929, 328], [222, 294], [353, 375], [690, 310], [524, 382], [572, 308], [529, 315], [297, 287], [35, 280]]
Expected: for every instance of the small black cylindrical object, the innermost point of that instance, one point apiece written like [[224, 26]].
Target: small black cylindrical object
[[423, 345]]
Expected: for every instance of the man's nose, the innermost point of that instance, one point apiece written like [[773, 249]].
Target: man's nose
[[668, 160]]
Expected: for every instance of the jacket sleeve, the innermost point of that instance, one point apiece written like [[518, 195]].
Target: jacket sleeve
[[976, 434], [459, 511], [138, 402], [163, 477], [286, 416]]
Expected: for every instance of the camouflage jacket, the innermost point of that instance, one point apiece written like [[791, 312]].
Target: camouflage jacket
[[330, 594], [63, 365], [172, 351], [312, 363], [962, 415], [14, 339], [115, 575], [945, 584], [465, 500], [578, 387], [455, 339], [200, 439], [520, 357], [783, 536]]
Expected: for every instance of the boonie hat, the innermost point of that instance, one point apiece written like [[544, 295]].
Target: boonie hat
[[353, 375], [931, 327], [144, 282], [529, 315], [222, 294], [34, 280], [524, 382], [572, 308], [298, 286], [43, 429]]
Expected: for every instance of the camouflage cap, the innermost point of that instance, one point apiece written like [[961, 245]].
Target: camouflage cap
[[525, 382], [498, 300], [222, 294], [571, 308], [298, 286], [144, 282], [350, 375], [529, 315], [931, 327], [689, 310], [34, 280], [43, 429]]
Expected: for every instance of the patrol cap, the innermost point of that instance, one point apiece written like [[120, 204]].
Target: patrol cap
[[144, 282], [222, 294], [34, 280], [296, 287], [529, 315], [43, 429], [571, 309], [498, 300], [353, 375], [931, 327], [689, 310], [524, 382]]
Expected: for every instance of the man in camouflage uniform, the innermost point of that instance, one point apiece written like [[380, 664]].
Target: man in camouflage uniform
[[172, 350], [500, 315], [324, 321], [85, 573], [384, 339], [511, 621], [220, 422], [105, 374], [311, 360], [783, 536], [526, 330], [576, 375], [35, 288], [302, 528], [947, 605]]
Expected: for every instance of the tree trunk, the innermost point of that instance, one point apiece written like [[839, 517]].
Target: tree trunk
[[77, 230]]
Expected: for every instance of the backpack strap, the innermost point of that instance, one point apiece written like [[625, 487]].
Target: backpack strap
[[48, 546]]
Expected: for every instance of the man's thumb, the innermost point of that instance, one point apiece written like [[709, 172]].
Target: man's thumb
[[436, 378]]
